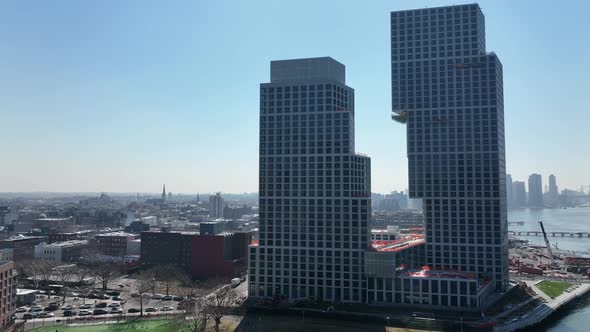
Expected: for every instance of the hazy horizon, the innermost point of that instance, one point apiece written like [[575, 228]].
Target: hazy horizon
[[124, 96]]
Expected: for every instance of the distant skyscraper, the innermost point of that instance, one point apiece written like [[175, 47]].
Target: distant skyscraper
[[535, 190], [519, 192], [216, 206], [553, 194], [449, 91], [314, 195], [164, 193], [509, 192]]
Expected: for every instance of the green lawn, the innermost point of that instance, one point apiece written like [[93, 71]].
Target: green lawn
[[553, 288], [145, 325]]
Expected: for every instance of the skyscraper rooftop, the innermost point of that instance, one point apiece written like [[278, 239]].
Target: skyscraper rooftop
[[309, 69]]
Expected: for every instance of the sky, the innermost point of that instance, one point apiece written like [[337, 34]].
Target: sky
[[124, 96]]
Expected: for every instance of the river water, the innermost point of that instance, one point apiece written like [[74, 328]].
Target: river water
[[559, 220]]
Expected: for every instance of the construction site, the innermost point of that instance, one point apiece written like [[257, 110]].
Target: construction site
[[546, 261]]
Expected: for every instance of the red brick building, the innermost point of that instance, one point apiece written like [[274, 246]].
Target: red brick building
[[219, 255], [7, 294], [206, 256], [113, 244]]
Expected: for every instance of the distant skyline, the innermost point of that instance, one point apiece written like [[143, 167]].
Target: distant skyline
[[117, 96]]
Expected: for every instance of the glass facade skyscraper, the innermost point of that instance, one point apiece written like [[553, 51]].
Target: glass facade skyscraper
[[449, 92], [314, 203], [535, 190]]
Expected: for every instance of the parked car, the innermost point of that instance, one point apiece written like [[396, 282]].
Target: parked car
[[84, 312], [50, 308], [46, 315], [86, 306], [69, 313], [100, 305], [21, 309], [67, 307], [117, 298], [168, 298], [167, 308], [114, 305], [113, 293], [151, 309], [100, 312], [157, 296], [133, 310], [103, 296], [36, 309], [116, 310], [30, 315], [177, 298]]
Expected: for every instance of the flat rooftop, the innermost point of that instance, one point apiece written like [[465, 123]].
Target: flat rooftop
[[65, 244], [116, 234], [438, 274], [298, 70], [398, 245], [23, 238], [55, 219]]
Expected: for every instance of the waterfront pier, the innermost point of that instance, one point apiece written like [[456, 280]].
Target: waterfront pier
[[545, 309]]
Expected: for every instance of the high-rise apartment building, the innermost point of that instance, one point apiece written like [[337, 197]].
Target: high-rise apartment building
[[553, 194], [449, 92], [314, 203], [519, 190], [535, 190], [216, 206], [509, 191]]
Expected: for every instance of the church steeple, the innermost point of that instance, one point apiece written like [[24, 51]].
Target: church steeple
[[164, 193]]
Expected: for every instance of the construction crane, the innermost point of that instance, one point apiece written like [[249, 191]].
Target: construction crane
[[547, 244]]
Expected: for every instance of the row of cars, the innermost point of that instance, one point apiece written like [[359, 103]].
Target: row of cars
[[38, 311], [158, 297], [116, 295]]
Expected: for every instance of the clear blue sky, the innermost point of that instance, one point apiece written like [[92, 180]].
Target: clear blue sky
[[122, 96]]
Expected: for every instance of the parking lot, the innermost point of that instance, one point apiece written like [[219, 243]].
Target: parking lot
[[108, 304]]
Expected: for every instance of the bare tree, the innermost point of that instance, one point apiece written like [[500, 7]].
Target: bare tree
[[187, 286], [105, 273], [167, 276], [31, 270], [149, 277], [80, 274], [195, 318], [64, 275], [218, 304], [46, 273], [142, 288]]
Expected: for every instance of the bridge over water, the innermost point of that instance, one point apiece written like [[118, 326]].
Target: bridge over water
[[553, 234]]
